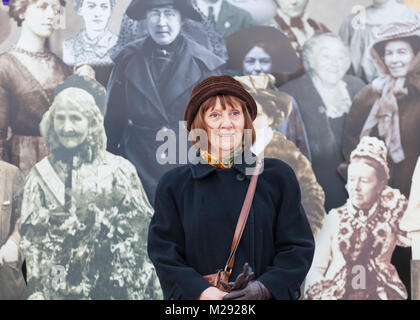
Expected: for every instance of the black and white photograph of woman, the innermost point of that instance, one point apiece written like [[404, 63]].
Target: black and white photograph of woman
[[92, 44], [359, 35], [84, 210], [323, 104]]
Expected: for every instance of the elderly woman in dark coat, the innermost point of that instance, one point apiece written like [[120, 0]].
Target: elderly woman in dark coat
[[150, 86], [197, 208], [324, 96]]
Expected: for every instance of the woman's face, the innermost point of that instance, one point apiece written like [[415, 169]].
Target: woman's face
[[292, 8], [329, 61], [256, 61], [164, 24], [364, 186], [41, 17], [225, 128], [95, 13], [70, 125], [397, 57]]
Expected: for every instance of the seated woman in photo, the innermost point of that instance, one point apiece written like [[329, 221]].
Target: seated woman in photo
[[354, 247], [85, 214], [92, 44]]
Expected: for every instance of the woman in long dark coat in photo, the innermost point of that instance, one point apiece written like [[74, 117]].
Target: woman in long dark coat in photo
[[197, 208]]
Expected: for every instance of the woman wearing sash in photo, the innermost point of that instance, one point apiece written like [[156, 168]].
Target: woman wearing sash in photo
[[85, 214]]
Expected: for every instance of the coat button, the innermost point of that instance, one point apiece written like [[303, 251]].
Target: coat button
[[297, 295], [240, 177], [130, 122]]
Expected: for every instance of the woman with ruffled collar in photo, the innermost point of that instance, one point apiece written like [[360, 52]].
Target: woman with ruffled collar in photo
[[92, 44], [353, 250]]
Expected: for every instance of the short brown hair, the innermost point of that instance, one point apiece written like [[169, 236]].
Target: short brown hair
[[18, 7], [225, 100]]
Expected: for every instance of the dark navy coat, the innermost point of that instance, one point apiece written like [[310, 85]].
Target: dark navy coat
[[196, 211]]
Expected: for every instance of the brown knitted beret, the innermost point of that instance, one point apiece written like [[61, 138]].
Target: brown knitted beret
[[213, 86]]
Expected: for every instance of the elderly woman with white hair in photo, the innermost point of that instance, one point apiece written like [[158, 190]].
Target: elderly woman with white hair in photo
[[353, 250], [324, 103], [85, 214], [92, 44]]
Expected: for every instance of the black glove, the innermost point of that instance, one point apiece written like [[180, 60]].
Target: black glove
[[241, 281], [254, 290]]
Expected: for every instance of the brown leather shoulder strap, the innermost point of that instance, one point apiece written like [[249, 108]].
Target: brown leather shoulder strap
[[243, 217]]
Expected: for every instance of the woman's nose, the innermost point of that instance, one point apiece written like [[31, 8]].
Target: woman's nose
[[67, 126], [257, 67], [394, 58], [162, 21], [226, 120]]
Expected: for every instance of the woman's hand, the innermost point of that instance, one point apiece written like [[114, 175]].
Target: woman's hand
[[212, 293], [254, 290], [241, 281]]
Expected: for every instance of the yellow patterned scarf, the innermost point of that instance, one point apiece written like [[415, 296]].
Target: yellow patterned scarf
[[224, 164]]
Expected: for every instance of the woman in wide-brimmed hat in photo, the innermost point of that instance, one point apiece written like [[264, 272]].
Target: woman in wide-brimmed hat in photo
[[389, 108], [197, 208]]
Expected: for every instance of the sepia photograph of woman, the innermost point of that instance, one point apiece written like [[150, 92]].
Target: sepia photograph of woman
[[354, 248], [29, 73]]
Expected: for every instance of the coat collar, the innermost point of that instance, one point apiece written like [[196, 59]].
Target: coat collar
[[202, 170]]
